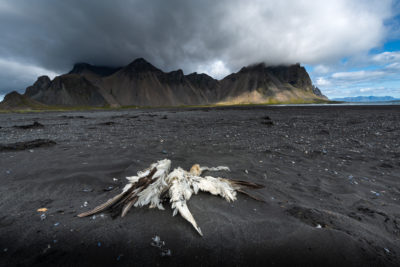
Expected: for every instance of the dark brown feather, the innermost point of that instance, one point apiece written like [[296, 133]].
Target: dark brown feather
[[128, 206], [103, 206], [123, 202], [247, 184], [251, 196]]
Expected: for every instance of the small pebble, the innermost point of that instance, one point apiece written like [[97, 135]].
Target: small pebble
[[166, 253], [109, 188], [375, 193]]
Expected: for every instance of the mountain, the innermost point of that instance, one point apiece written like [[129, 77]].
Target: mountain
[[262, 84], [142, 84], [15, 100], [367, 99], [66, 90]]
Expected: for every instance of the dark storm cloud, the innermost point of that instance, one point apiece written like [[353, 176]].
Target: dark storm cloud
[[56, 34], [211, 36]]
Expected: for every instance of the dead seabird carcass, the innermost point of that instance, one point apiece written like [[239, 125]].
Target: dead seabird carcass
[[156, 183]]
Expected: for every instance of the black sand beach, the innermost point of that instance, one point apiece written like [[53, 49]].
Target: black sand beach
[[331, 176]]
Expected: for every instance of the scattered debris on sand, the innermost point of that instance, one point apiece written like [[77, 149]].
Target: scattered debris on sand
[[158, 243], [34, 125], [42, 210], [27, 145], [107, 123], [266, 120]]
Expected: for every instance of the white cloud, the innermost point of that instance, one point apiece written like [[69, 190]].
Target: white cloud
[[17, 76], [216, 69], [368, 89], [322, 69], [357, 75], [24, 70], [304, 31], [1, 97], [387, 57], [321, 81], [393, 66]]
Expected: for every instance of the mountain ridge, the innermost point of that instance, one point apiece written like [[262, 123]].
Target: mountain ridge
[[142, 84], [367, 99]]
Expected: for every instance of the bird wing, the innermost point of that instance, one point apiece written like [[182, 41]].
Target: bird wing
[[214, 186], [153, 177], [122, 200]]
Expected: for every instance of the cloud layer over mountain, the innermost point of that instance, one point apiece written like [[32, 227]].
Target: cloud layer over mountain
[[210, 36]]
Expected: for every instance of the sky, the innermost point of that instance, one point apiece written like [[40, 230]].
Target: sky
[[349, 47]]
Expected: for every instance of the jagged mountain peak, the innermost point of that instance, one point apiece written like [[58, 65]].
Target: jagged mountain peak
[[141, 65]]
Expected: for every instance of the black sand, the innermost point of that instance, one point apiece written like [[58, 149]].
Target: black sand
[[332, 177]]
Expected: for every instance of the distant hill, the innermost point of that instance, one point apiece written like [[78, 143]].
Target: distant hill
[[367, 99], [142, 84], [15, 100]]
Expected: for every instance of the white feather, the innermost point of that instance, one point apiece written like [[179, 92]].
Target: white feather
[[215, 186], [151, 194], [214, 169], [126, 188], [180, 191]]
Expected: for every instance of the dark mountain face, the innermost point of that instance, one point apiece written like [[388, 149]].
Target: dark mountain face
[[295, 75], [203, 81], [42, 83], [81, 68], [68, 89], [142, 84], [140, 65], [317, 92]]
